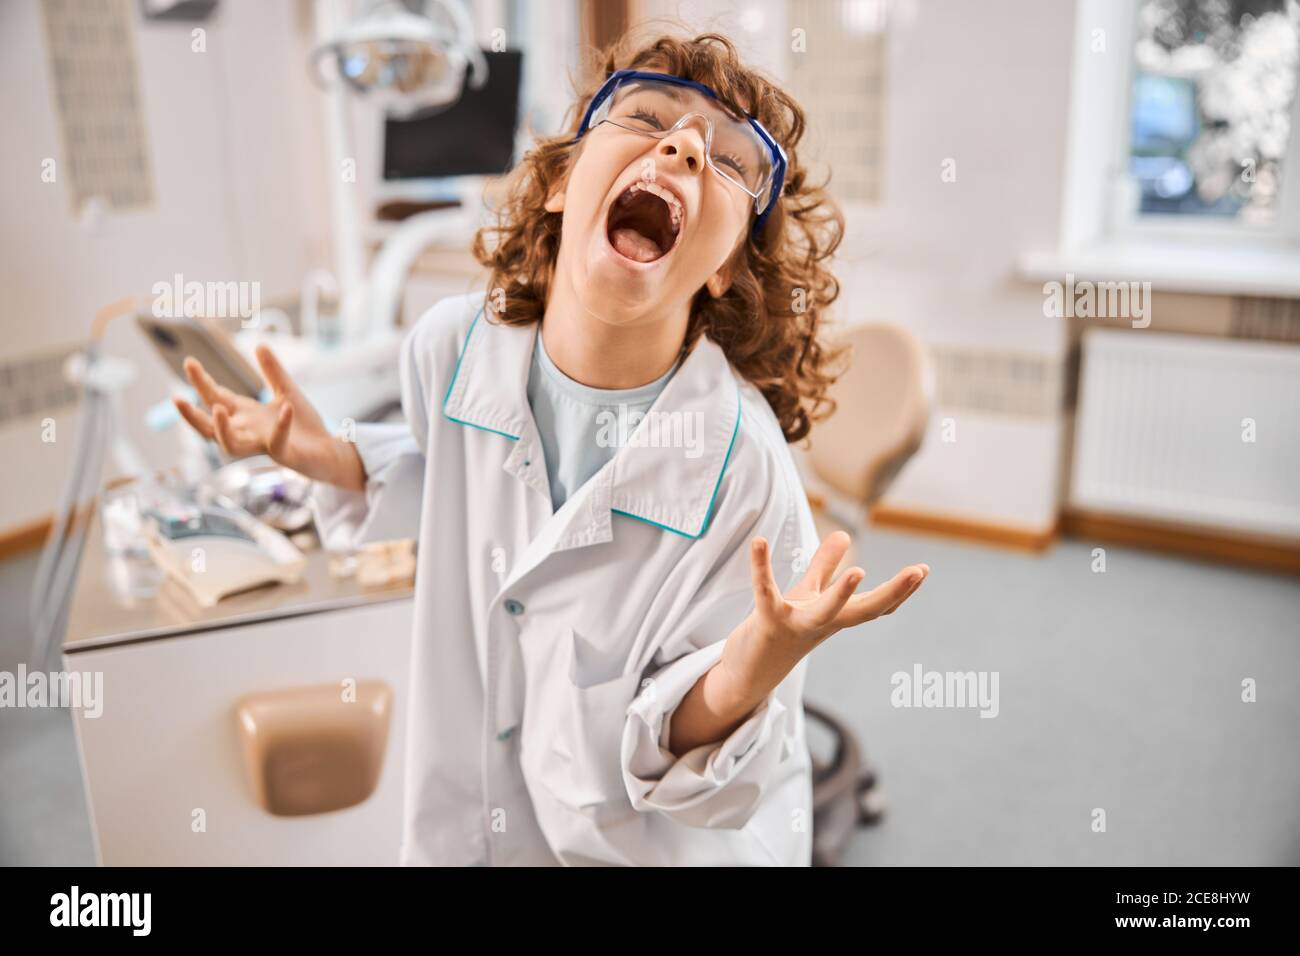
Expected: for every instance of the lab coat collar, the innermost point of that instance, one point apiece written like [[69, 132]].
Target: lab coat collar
[[668, 472]]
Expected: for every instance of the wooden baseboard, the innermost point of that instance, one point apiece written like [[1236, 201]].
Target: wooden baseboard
[[1223, 547], [1204, 544], [31, 536], [24, 537], [1156, 536], [1002, 535]]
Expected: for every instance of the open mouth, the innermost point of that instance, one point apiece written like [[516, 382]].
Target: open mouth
[[645, 221]]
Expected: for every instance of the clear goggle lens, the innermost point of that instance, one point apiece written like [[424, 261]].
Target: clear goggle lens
[[733, 148]]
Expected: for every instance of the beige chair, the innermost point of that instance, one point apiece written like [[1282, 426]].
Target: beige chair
[[882, 406]]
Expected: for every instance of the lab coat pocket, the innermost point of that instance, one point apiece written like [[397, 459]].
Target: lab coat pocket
[[581, 764]]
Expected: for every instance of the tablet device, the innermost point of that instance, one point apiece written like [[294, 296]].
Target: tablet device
[[206, 341]]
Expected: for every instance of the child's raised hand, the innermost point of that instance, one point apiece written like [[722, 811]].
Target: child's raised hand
[[782, 629], [287, 428]]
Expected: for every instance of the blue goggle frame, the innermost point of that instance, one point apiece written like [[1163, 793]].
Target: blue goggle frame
[[778, 154]]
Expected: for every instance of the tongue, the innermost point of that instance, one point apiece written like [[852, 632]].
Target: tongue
[[635, 246]]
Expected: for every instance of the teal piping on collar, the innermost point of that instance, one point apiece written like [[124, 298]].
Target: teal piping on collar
[[452, 384], [708, 514]]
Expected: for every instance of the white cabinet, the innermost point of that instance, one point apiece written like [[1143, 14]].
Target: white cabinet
[[166, 745]]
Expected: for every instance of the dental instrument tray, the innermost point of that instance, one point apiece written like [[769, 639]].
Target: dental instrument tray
[[214, 551], [270, 492]]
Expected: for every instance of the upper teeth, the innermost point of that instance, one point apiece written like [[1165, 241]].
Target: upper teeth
[[674, 204]]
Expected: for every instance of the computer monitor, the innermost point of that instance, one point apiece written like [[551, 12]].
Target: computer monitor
[[475, 136]]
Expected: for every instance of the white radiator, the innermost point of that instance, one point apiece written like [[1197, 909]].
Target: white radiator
[[1165, 424]]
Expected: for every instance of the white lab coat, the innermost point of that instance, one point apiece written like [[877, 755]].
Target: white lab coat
[[550, 649]]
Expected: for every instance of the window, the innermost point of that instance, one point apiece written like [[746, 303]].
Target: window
[[1182, 161], [1211, 109]]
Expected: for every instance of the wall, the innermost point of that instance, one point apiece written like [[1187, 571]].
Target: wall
[[240, 194], [986, 85], [232, 135]]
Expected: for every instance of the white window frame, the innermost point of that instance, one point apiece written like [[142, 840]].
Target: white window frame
[[1285, 226], [1102, 236]]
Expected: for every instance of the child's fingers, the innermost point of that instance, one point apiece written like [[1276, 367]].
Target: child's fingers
[[867, 607], [828, 557], [273, 371], [830, 602], [767, 596], [225, 434], [207, 387], [197, 418], [910, 591], [280, 436]]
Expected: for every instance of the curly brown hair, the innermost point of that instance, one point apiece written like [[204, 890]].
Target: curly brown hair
[[769, 320]]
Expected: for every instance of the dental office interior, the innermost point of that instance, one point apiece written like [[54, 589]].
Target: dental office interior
[[1069, 287]]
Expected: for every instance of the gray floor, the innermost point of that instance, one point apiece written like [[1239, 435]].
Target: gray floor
[[1119, 691], [43, 815]]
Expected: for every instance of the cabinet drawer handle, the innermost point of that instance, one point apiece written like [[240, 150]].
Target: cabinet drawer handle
[[314, 749]]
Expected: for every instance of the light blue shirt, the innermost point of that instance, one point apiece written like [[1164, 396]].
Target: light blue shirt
[[579, 425]]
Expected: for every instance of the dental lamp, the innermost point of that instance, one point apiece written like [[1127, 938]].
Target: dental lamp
[[411, 60], [407, 62]]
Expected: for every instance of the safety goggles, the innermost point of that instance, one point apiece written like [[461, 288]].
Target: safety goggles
[[658, 104]]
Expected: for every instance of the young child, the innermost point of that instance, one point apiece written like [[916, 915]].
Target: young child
[[619, 580]]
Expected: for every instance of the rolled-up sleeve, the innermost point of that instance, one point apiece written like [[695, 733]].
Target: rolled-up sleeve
[[389, 507], [719, 784], [714, 785], [394, 459]]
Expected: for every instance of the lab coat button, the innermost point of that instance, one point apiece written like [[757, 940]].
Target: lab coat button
[[513, 607], [506, 734]]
